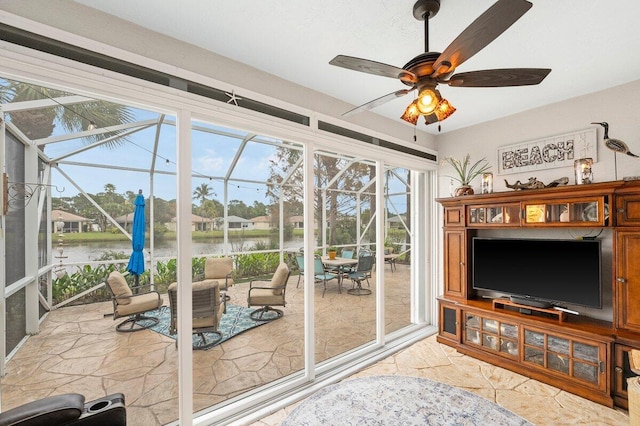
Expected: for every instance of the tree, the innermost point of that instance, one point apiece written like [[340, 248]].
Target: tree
[[208, 210], [349, 176], [202, 192], [238, 208], [39, 123]]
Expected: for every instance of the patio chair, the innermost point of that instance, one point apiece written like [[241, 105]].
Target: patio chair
[[208, 306], [133, 306], [219, 269], [300, 263], [361, 273], [390, 258], [268, 294], [347, 254], [320, 274], [344, 270]]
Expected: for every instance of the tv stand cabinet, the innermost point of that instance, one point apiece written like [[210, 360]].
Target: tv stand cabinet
[[581, 355]]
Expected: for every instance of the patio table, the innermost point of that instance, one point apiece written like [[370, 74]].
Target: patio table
[[340, 263]]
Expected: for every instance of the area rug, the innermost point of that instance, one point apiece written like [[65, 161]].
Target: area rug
[[399, 400], [233, 322]]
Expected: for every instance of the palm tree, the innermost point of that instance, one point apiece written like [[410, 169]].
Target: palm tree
[[202, 192], [39, 123]]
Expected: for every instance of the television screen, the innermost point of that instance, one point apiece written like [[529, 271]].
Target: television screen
[[560, 271]]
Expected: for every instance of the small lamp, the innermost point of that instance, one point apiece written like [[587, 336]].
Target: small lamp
[[487, 183], [582, 169]]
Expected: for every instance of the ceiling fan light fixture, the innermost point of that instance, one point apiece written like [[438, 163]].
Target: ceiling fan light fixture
[[442, 112], [411, 114], [428, 100], [444, 109]]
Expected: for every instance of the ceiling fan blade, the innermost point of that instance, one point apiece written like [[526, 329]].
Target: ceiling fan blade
[[373, 67], [499, 77], [377, 102], [486, 28]]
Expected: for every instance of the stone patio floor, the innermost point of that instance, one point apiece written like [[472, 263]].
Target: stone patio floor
[[78, 350]]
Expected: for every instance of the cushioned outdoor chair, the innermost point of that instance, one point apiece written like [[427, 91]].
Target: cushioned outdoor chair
[[68, 409], [208, 306], [268, 294], [219, 269], [133, 306]]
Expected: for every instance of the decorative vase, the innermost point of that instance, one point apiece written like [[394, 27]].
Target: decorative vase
[[464, 190], [332, 254]]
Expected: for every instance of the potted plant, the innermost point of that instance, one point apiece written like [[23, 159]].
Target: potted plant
[[332, 251], [466, 172]]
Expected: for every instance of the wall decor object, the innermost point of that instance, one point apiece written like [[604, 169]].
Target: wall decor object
[[534, 183], [547, 153], [582, 169], [487, 183]]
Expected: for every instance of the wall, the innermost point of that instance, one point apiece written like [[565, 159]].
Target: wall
[[618, 106]]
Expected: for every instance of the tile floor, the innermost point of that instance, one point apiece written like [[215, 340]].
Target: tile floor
[[537, 402]]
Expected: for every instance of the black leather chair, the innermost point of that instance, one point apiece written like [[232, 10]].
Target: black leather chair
[[68, 410]]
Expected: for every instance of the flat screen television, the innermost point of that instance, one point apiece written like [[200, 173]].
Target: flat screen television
[[539, 272]]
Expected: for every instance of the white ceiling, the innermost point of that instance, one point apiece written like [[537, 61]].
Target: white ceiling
[[589, 45]]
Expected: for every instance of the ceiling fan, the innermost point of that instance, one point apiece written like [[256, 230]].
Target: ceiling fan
[[424, 72]]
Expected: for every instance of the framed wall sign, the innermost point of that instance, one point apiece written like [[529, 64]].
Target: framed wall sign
[[548, 153]]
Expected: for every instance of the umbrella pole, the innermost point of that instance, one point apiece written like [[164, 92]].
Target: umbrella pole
[[136, 283]]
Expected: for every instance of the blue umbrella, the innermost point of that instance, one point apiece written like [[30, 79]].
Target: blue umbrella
[[136, 261]]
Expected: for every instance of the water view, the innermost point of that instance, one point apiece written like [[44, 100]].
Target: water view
[[89, 251]]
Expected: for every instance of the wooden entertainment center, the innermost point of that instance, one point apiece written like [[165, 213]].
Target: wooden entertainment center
[[585, 356]]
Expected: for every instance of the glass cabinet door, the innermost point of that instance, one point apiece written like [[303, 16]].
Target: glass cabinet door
[[565, 355], [581, 212], [491, 334], [494, 215]]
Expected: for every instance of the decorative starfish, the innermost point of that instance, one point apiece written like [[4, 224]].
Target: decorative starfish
[[232, 97]]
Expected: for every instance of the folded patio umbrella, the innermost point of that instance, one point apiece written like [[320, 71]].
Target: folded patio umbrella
[[136, 261]]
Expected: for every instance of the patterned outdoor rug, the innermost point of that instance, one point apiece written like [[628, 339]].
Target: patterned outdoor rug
[[235, 321], [399, 400]]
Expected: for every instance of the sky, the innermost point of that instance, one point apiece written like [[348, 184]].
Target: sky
[[212, 156], [89, 170]]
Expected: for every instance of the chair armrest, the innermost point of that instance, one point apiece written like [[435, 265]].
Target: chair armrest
[[133, 296], [258, 284], [138, 287], [53, 410], [279, 287]]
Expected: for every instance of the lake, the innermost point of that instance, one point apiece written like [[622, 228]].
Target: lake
[[90, 251]]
